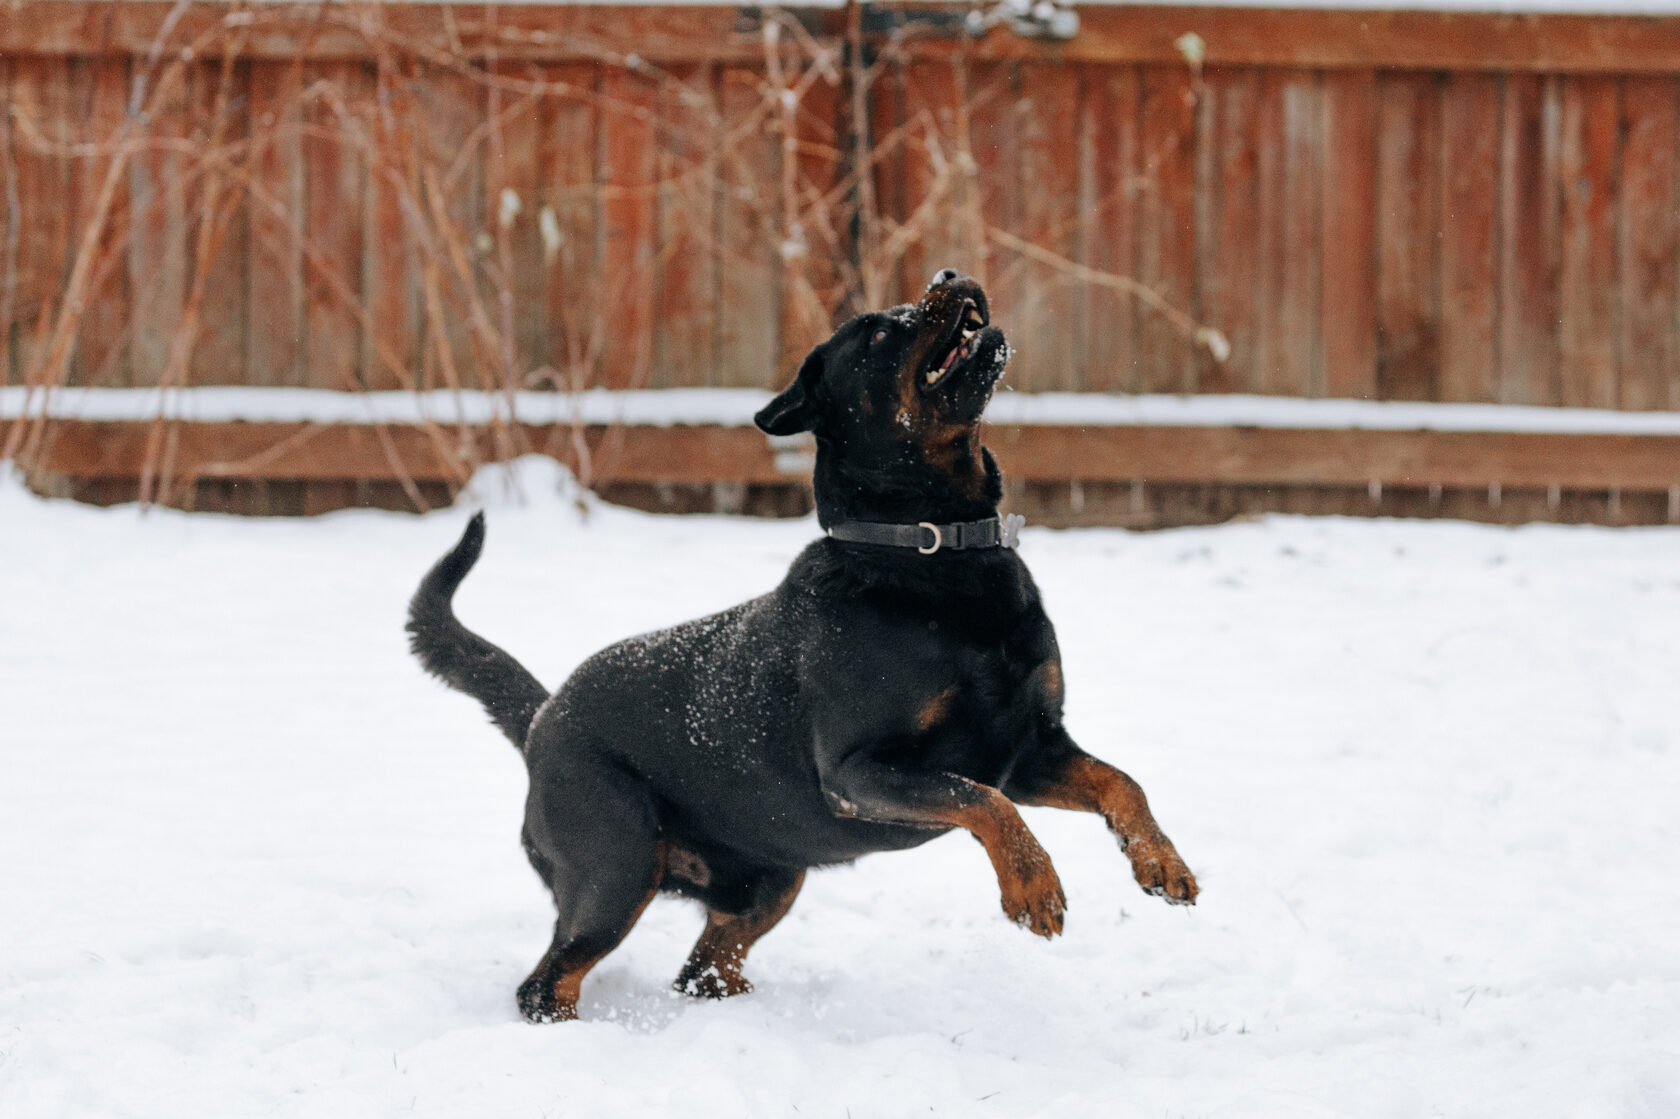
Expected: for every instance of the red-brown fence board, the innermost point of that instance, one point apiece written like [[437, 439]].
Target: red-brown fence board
[[748, 347], [8, 227], [333, 181], [1408, 304], [100, 88], [1587, 289], [1166, 225], [1050, 314], [686, 274], [276, 216], [1348, 270], [1108, 223], [573, 298], [513, 215], [1028, 453], [1230, 225], [41, 115], [1469, 354], [220, 109], [1528, 181], [1650, 244]]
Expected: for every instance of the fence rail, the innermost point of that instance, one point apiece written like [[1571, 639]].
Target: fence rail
[[1385, 205]]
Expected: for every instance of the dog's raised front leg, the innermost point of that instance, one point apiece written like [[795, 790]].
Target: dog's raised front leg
[[1065, 776], [864, 789]]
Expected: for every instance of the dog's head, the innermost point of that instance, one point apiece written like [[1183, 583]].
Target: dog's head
[[895, 399]]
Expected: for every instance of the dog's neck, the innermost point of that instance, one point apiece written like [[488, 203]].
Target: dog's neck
[[968, 487]]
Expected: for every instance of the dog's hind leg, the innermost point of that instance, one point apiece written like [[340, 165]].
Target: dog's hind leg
[[604, 866], [713, 970]]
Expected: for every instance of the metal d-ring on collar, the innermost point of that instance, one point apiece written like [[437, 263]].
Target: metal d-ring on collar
[[928, 538]]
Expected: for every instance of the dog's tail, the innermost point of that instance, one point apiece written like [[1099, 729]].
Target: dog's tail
[[461, 658]]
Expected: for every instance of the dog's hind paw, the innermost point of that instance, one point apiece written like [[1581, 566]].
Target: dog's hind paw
[[712, 983], [537, 1002]]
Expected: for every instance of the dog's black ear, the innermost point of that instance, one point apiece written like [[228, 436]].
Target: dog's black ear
[[795, 410]]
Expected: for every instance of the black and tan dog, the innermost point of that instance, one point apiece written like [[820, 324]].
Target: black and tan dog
[[902, 681]]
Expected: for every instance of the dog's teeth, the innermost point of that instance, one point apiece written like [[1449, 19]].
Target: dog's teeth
[[967, 334], [932, 375], [974, 317]]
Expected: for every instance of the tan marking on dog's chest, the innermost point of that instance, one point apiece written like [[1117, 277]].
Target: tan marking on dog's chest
[[935, 710]]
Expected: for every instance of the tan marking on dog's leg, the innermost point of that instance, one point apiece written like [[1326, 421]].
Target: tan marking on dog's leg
[[1032, 891], [570, 983], [1088, 785], [713, 969]]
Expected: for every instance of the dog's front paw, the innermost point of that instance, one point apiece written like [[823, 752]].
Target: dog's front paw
[[1159, 870], [1032, 895]]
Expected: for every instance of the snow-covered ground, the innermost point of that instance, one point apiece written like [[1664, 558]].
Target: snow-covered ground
[[253, 862]]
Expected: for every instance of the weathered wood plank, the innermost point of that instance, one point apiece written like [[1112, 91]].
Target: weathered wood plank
[[630, 214], [163, 226], [219, 352], [450, 156], [927, 110], [1286, 351], [514, 285], [1108, 229], [1349, 457], [813, 288], [1046, 317], [321, 32], [276, 298], [1167, 227], [101, 356], [1650, 245], [333, 186], [41, 114], [1361, 39], [1229, 239], [391, 335], [749, 350], [995, 114], [1348, 271], [1470, 144], [574, 291], [1408, 219], [9, 232], [686, 279], [1279, 456], [1528, 242], [1587, 276]]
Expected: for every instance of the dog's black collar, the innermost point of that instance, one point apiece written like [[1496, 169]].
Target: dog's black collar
[[928, 538]]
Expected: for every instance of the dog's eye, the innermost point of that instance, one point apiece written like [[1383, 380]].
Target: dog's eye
[[880, 336]]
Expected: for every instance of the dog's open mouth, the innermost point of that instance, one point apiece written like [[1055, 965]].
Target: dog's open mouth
[[970, 320]]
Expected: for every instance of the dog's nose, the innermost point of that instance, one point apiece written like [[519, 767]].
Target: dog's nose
[[944, 276]]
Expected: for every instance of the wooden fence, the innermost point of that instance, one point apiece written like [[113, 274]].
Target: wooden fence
[[1382, 205]]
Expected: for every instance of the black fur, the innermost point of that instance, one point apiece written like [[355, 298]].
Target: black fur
[[461, 658], [875, 699]]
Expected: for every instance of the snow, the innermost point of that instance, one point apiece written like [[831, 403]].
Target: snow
[[254, 862], [735, 408]]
